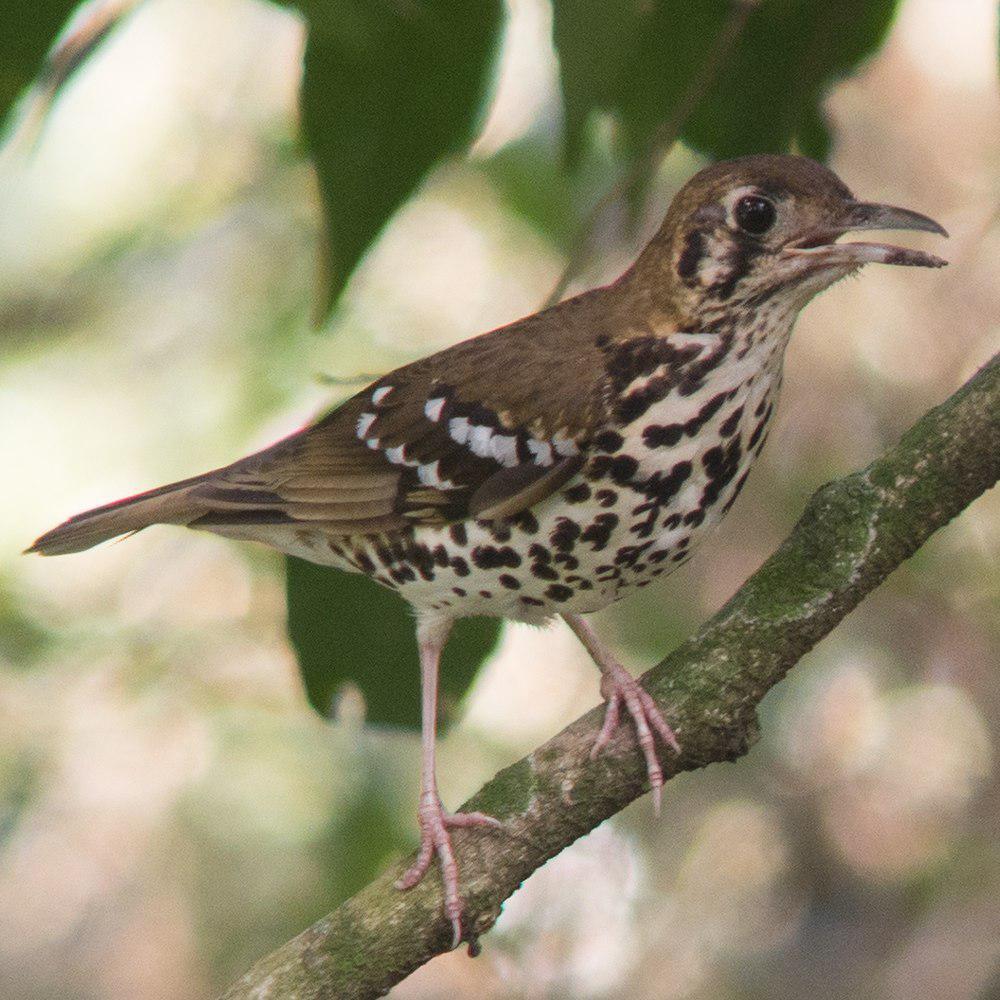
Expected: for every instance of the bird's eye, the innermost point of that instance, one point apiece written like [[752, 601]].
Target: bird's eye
[[755, 214]]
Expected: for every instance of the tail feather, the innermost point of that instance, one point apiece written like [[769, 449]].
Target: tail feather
[[171, 504]]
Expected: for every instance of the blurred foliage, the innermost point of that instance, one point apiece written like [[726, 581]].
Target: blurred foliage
[[345, 627], [27, 31], [389, 90], [30, 54], [168, 809], [766, 97]]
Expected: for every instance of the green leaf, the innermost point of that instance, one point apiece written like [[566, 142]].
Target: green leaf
[[390, 88], [345, 627], [27, 33], [770, 91], [766, 95]]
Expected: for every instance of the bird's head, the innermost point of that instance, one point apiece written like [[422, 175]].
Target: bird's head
[[764, 229]]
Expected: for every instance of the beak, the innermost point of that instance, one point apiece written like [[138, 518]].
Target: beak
[[860, 215]]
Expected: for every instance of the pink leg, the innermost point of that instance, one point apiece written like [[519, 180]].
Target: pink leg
[[618, 686], [434, 821]]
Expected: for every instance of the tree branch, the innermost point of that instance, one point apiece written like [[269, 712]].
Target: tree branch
[[853, 534]]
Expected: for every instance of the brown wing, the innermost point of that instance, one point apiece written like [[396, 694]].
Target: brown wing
[[485, 429]]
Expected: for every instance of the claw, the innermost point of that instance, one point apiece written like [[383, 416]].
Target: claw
[[435, 839], [618, 686]]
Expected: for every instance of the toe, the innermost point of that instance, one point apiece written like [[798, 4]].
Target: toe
[[472, 819]]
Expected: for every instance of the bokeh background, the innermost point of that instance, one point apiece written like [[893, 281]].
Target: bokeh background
[[171, 809]]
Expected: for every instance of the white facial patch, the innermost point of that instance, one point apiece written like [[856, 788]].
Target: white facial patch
[[715, 265]]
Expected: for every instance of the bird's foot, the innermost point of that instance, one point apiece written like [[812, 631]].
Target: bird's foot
[[618, 686], [435, 839]]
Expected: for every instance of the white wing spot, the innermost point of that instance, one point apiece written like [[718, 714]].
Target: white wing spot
[[380, 393], [365, 422], [503, 447], [433, 408], [564, 446], [397, 456], [373, 443], [479, 440], [542, 451], [429, 474], [459, 429]]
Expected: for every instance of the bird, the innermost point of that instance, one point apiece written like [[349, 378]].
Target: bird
[[554, 465]]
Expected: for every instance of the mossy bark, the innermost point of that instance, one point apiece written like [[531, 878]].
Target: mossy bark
[[854, 532]]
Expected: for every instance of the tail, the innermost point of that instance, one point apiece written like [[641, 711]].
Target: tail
[[171, 504]]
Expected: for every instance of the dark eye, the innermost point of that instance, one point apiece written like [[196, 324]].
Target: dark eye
[[755, 214]]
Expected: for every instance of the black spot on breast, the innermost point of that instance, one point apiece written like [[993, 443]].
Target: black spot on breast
[[402, 574], [486, 593], [694, 518], [731, 423], [539, 553], [662, 487], [577, 494], [606, 498], [565, 534], [721, 464], [610, 441], [458, 534], [508, 581], [490, 557], [364, 562], [460, 566], [559, 592], [440, 556], [705, 414], [662, 435], [628, 555], [598, 533], [736, 491], [527, 522], [499, 530], [458, 591], [623, 468], [544, 572], [422, 558], [533, 601], [567, 561]]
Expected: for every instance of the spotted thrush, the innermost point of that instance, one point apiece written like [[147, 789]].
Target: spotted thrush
[[551, 466]]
